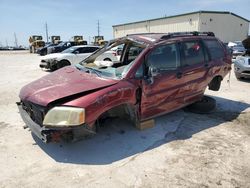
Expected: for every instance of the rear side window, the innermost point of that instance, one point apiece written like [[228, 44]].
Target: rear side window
[[87, 49], [192, 53], [215, 49], [165, 57]]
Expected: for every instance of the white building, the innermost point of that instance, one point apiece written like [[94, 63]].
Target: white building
[[227, 26]]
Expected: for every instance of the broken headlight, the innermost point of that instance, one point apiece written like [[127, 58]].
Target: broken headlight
[[62, 116]]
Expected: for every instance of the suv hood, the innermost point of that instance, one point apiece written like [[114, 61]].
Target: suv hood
[[63, 83]]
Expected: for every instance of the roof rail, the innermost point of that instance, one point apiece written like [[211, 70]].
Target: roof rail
[[192, 33], [143, 34]]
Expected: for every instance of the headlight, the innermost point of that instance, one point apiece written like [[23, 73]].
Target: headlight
[[241, 61], [63, 116]]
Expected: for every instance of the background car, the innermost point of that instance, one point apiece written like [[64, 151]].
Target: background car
[[69, 56], [44, 50], [60, 47], [237, 48], [242, 62]]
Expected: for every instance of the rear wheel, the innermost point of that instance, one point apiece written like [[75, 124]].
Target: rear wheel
[[205, 105]]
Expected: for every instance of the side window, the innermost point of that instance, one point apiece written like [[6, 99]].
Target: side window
[[215, 49], [81, 50], [192, 53], [133, 52], [165, 57], [87, 50]]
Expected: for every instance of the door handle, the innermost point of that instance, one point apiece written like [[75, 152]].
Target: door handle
[[179, 75]]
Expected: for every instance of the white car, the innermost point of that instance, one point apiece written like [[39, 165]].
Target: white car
[[70, 56]]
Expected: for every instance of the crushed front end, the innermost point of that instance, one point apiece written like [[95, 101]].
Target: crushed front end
[[34, 116]]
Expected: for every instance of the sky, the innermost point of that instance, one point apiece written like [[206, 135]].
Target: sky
[[79, 17]]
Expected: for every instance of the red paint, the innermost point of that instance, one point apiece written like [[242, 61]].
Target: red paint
[[62, 83], [166, 94]]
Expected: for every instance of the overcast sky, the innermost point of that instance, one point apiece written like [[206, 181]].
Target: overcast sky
[[79, 17]]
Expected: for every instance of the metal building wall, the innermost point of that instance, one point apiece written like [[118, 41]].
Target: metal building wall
[[226, 27], [163, 25]]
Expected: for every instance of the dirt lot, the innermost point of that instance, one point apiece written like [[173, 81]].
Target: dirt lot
[[182, 150]]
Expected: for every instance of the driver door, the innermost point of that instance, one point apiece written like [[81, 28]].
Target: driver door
[[162, 92]]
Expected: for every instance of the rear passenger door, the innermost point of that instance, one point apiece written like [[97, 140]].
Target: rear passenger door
[[194, 68]]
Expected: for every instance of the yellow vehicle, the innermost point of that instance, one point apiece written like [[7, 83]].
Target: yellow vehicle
[[55, 39], [36, 42], [79, 40], [99, 41]]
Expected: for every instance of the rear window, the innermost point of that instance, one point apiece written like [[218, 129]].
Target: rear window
[[215, 49]]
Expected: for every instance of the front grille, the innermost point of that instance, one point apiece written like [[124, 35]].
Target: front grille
[[36, 112], [246, 72]]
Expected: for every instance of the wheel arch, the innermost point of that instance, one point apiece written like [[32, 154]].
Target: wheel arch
[[215, 83]]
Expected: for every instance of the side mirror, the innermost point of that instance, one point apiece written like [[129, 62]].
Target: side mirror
[[152, 72]]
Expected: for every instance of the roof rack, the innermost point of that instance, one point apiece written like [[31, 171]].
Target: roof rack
[[180, 34], [143, 34]]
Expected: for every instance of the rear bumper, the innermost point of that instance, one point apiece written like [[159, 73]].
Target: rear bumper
[[55, 134]]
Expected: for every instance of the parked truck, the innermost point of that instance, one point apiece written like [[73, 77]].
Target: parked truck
[[79, 40], [99, 41], [36, 42], [55, 39]]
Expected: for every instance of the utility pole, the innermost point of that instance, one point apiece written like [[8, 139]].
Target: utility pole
[[98, 28], [15, 40], [47, 36]]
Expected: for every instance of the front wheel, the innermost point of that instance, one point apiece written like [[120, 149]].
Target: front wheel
[[62, 63]]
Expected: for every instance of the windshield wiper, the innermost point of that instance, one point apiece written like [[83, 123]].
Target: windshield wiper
[[97, 72], [81, 67]]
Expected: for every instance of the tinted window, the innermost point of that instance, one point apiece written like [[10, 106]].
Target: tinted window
[[164, 57], [87, 49], [192, 53], [215, 49]]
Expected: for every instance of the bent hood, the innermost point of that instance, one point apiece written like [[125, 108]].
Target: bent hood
[[65, 82]]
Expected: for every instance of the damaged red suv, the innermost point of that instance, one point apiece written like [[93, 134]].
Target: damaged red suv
[[155, 74]]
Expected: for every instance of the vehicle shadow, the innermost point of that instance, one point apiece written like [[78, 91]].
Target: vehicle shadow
[[119, 139]]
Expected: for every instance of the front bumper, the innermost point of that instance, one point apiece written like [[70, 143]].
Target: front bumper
[[242, 71], [48, 64], [47, 135]]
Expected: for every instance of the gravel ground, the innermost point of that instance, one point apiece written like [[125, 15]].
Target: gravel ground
[[182, 150]]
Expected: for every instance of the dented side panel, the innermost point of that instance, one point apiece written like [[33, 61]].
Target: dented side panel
[[103, 100]]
